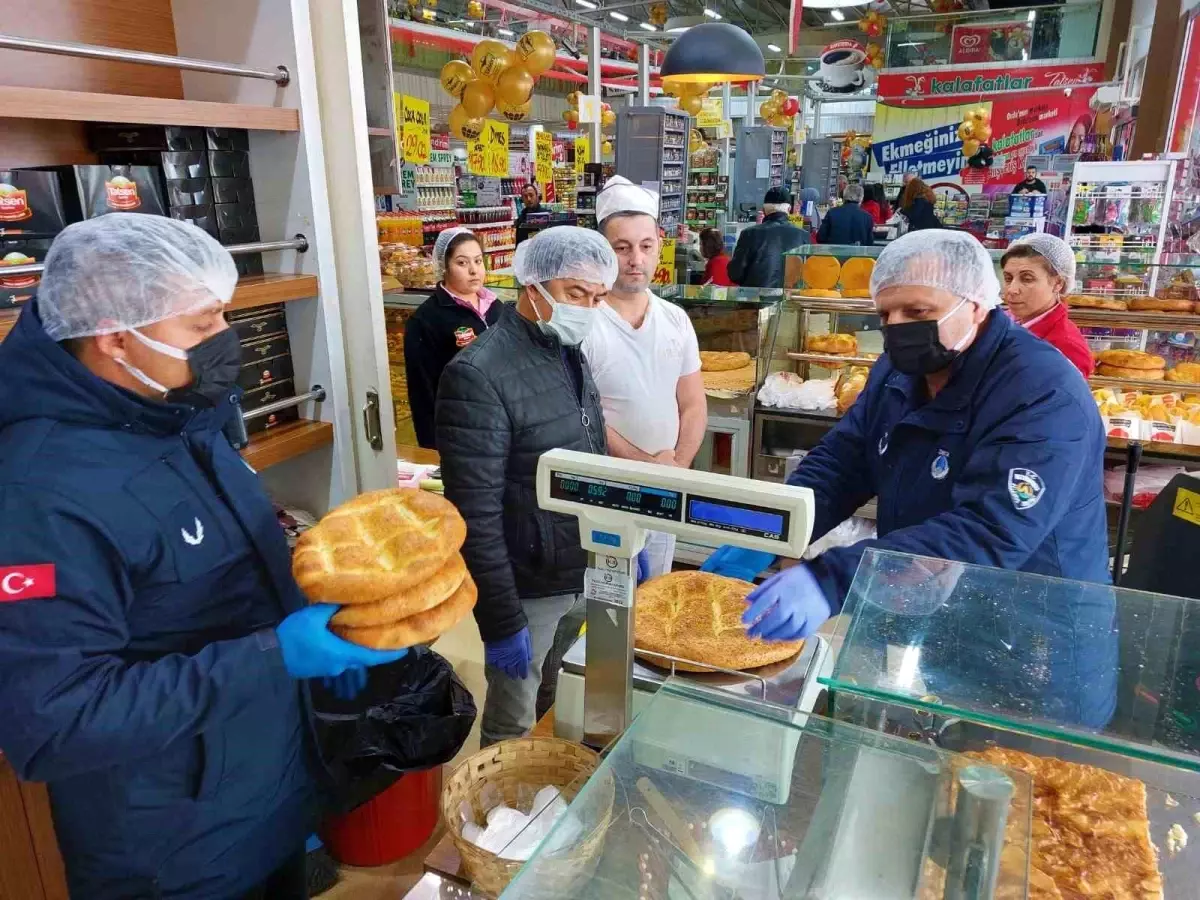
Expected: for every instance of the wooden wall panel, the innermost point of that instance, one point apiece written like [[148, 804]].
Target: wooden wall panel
[[45, 842], [20, 878], [33, 142], [129, 24]]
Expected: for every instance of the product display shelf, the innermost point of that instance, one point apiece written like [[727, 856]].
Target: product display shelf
[[86, 106], [264, 290], [285, 442], [970, 658], [652, 150]]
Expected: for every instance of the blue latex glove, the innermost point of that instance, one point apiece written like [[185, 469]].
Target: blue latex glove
[[311, 650], [737, 562], [349, 684], [511, 655], [643, 566], [787, 606]]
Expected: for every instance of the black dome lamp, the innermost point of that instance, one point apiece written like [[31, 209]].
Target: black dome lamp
[[712, 53]]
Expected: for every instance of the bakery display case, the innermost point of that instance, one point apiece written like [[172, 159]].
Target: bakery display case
[[708, 795], [1090, 688], [737, 330]]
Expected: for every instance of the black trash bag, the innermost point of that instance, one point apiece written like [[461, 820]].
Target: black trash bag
[[413, 714]]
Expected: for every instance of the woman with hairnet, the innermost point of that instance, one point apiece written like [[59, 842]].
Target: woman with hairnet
[[153, 643], [522, 388], [457, 312], [981, 442], [1039, 270]]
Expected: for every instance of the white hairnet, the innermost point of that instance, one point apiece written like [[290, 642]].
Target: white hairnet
[[566, 252], [953, 261], [1054, 250], [127, 270], [442, 244]]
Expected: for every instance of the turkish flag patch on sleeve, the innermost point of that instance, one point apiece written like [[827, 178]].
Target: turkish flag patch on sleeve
[[26, 582]]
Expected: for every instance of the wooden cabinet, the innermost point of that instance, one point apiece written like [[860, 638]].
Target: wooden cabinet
[[30, 865]]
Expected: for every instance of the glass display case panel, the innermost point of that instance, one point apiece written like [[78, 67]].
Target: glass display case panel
[[1085, 663], [837, 271], [711, 796]]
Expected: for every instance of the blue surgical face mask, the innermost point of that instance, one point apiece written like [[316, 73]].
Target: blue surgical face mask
[[570, 324]]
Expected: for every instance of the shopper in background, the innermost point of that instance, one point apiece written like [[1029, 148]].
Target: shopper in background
[[810, 195], [916, 203], [521, 389], [716, 266], [758, 257], [1032, 184], [457, 312], [531, 200], [982, 446], [152, 639], [1039, 270], [848, 224], [876, 204], [644, 355]]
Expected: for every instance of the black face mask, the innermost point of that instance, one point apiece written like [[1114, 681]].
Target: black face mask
[[215, 364], [916, 348]]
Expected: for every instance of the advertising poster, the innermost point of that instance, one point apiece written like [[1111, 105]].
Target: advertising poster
[[991, 42], [925, 138], [924, 87]]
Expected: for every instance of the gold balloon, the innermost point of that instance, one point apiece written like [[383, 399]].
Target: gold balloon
[[514, 86], [965, 130], [608, 118], [691, 104], [569, 114], [779, 96], [970, 148], [456, 74], [980, 114], [769, 109], [478, 98], [536, 52], [606, 147], [983, 132], [463, 125], [514, 112], [489, 59], [573, 99]]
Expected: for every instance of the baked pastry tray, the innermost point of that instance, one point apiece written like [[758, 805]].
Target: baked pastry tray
[[1166, 786], [782, 683]]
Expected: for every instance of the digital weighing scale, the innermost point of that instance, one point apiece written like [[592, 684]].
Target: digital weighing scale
[[616, 502]]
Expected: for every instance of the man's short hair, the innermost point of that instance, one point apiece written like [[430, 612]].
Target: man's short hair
[[853, 193], [602, 227], [1031, 166], [771, 208]]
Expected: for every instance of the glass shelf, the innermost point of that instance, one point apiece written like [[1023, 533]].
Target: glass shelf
[[1087, 664], [711, 796]]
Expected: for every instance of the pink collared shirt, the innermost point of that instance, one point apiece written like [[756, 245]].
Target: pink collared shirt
[[485, 297]]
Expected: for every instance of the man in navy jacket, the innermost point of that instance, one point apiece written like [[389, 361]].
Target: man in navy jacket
[[982, 444], [848, 223], [152, 639]]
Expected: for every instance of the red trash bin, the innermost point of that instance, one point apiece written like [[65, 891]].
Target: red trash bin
[[389, 827]]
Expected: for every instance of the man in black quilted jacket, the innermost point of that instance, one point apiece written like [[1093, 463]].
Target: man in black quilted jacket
[[522, 388]]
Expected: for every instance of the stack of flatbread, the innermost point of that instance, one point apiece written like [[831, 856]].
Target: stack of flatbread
[[732, 371], [391, 560], [698, 616]]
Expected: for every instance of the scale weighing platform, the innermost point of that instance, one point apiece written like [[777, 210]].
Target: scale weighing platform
[[616, 502]]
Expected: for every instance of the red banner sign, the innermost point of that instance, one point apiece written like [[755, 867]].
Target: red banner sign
[[991, 42], [925, 87]]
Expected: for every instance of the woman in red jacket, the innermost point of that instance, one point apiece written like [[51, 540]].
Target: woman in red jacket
[[1039, 270], [712, 248]]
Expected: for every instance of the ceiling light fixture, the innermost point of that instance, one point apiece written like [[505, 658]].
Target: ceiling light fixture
[[712, 13], [504, 31], [678, 29], [774, 49], [713, 53], [647, 26], [620, 17], [1032, 17], [586, 4], [838, 15]]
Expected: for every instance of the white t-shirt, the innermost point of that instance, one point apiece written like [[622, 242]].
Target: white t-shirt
[[638, 371]]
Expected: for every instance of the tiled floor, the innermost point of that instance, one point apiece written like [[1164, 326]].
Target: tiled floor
[[463, 649]]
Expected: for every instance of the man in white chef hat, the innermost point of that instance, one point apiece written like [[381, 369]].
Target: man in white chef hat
[[643, 353]]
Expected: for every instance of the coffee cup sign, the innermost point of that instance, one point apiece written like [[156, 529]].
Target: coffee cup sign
[[842, 66]]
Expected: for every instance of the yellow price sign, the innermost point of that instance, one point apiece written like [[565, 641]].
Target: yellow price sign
[[711, 113], [544, 159], [488, 154], [583, 153], [415, 142], [665, 272]]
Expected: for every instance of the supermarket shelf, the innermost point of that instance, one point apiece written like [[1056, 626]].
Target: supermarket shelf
[[829, 360], [1130, 384], [487, 225], [285, 442], [853, 305], [84, 106], [380, 132], [264, 290], [385, 189], [699, 171], [1113, 318], [1159, 449], [499, 249]]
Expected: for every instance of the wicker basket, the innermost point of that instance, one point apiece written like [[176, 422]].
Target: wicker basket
[[504, 769]]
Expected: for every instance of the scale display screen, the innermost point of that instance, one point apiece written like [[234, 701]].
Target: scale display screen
[[632, 498], [740, 518]]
